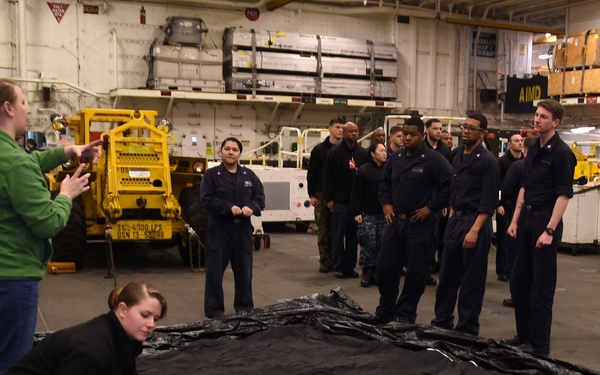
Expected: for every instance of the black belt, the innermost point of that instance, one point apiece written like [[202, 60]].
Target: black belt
[[538, 207], [461, 213], [403, 216]]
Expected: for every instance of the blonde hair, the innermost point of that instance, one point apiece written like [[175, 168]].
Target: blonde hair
[[134, 292], [7, 91]]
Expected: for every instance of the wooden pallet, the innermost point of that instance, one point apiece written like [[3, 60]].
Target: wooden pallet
[[569, 82], [578, 50]]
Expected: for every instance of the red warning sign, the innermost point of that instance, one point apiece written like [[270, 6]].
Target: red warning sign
[[59, 10], [252, 14]]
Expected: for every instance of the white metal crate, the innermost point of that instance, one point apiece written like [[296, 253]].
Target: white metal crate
[[187, 63], [284, 41], [179, 84], [304, 85], [290, 62]]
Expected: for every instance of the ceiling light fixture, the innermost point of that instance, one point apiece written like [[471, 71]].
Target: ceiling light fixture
[[548, 55], [583, 129]]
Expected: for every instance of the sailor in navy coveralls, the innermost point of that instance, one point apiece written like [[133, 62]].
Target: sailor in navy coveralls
[[474, 197], [537, 225], [231, 194], [416, 184]]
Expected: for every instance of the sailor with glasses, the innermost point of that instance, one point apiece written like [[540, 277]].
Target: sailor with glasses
[[474, 197]]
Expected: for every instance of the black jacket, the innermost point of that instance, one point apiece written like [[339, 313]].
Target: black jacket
[[365, 189], [97, 347], [511, 184], [314, 176], [221, 190], [441, 148], [505, 162], [340, 167]]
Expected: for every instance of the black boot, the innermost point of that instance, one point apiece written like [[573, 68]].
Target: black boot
[[373, 279], [364, 278]]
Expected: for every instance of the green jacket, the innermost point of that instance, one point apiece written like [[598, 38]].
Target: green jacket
[[28, 217]]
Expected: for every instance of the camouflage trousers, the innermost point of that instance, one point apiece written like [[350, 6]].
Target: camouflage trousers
[[369, 235], [323, 221]]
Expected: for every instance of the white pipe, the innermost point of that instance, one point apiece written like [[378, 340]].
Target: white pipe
[[77, 88], [475, 68], [22, 35], [113, 32]]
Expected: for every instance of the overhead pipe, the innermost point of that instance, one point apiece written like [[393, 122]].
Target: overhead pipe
[[552, 9], [496, 5], [356, 10], [56, 82], [503, 26], [216, 4]]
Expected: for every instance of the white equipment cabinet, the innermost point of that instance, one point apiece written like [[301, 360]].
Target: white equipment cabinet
[[286, 197], [581, 219]]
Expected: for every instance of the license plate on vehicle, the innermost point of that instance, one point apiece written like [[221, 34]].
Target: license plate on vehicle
[[142, 230]]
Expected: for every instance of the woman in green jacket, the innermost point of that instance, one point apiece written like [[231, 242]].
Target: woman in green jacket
[[28, 217]]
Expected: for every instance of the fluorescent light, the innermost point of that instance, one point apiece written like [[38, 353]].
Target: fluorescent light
[[548, 35], [583, 129], [545, 56]]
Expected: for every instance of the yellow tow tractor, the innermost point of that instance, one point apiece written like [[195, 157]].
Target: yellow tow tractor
[[138, 191]]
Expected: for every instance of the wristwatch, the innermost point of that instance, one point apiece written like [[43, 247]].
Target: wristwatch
[[550, 231]]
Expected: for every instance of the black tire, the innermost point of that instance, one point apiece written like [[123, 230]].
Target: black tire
[[195, 215], [301, 226], [71, 242]]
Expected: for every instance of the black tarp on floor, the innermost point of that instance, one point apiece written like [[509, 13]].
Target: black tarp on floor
[[329, 334]]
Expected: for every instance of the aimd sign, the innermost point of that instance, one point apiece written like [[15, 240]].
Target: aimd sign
[[520, 93]]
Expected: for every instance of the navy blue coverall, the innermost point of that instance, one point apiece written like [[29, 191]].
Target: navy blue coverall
[[409, 183], [511, 183], [548, 174], [475, 186], [502, 221], [229, 238]]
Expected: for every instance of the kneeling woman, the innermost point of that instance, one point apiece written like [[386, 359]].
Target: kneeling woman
[[108, 344]]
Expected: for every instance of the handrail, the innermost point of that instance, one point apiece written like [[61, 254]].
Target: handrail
[[281, 153]]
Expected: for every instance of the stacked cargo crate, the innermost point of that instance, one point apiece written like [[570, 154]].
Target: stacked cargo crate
[[181, 63], [267, 62], [577, 66]]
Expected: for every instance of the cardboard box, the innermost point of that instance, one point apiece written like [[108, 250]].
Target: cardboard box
[[572, 82], [572, 51]]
